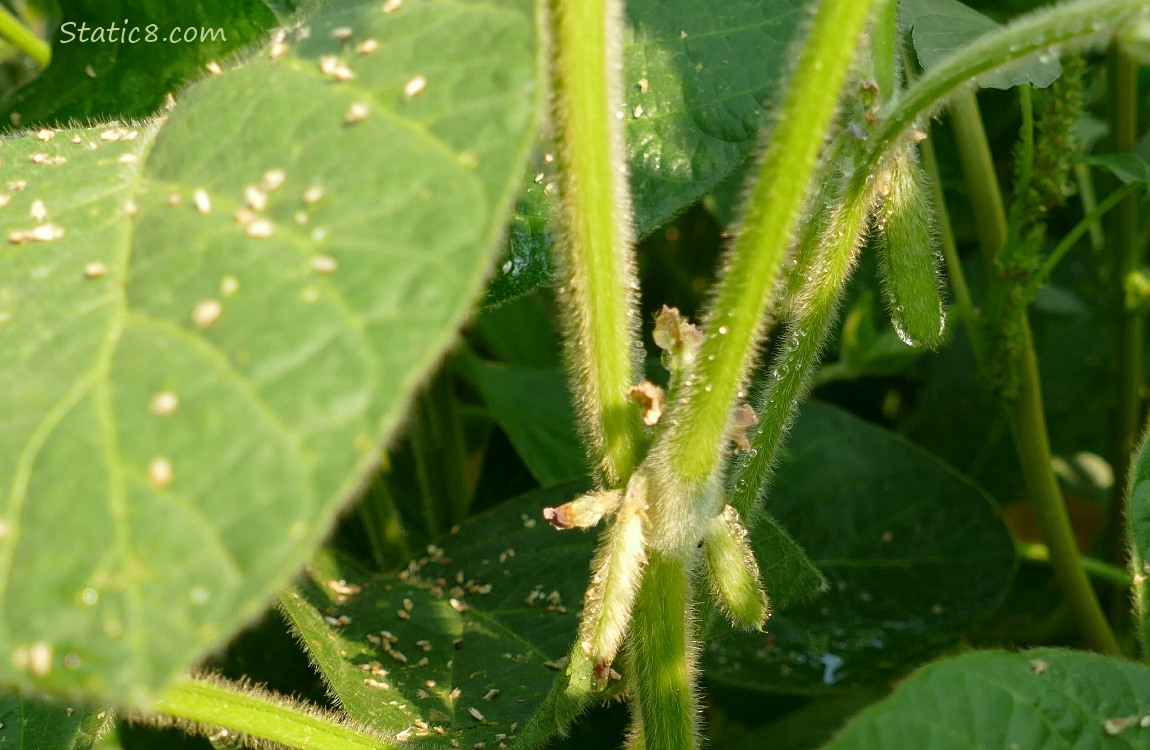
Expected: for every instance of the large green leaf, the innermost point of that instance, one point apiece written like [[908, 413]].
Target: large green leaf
[[913, 552], [98, 72], [1047, 699], [534, 409], [467, 639], [1138, 525], [28, 724], [697, 79], [186, 401], [940, 27]]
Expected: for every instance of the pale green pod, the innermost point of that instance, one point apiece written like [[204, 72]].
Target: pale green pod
[[616, 574], [733, 573], [908, 258]]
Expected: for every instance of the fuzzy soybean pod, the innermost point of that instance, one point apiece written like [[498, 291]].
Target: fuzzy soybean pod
[[733, 573], [908, 260]]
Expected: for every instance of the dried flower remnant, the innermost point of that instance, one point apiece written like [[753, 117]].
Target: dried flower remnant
[[743, 418], [649, 397], [678, 338], [585, 511]]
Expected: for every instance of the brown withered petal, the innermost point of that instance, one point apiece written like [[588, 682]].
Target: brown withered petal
[[649, 397]]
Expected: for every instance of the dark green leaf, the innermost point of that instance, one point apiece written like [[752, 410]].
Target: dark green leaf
[[34, 724], [913, 553], [1046, 698], [534, 409], [116, 78], [940, 27], [697, 80], [479, 626], [1138, 525], [291, 355], [1130, 167]]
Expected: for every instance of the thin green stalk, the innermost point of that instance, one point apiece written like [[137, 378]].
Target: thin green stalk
[[1131, 328], [1098, 569], [1025, 411], [23, 38], [694, 445], [600, 283], [813, 313], [884, 46], [1067, 243], [1050, 28], [1085, 182], [661, 665], [209, 705]]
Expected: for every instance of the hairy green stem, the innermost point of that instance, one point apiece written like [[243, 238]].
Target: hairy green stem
[[212, 704], [1131, 324], [1025, 411], [694, 444], [1099, 569], [660, 659], [23, 38], [831, 259], [599, 277]]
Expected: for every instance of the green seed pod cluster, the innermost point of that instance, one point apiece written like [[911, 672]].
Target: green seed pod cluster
[[908, 259]]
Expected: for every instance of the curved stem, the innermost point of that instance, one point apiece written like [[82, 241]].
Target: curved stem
[[1025, 411], [1037, 32], [600, 282], [23, 38], [1099, 569], [1067, 243], [211, 704]]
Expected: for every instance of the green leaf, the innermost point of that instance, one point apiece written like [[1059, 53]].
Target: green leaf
[[34, 724], [187, 403], [940, 27], [912, 551], [480, 623], [697, 82], [534, 408], [1130, 167], [1138, 526], [115, 78], [1046, 698]]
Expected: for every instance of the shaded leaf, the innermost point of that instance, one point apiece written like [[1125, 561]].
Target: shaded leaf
[[940, 27], [517, 585], [118, 78], [912, 551], [1130, 167], [34, 724], [697, 79], [1046, 698], [534, 409], [187, 402]]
